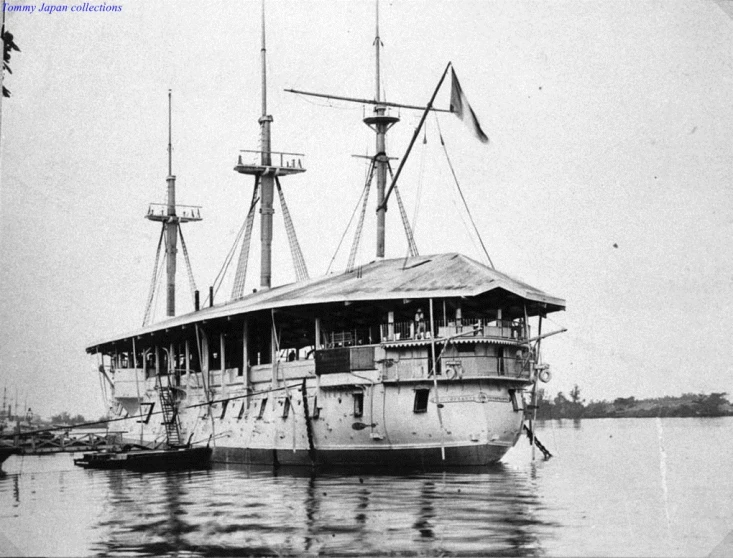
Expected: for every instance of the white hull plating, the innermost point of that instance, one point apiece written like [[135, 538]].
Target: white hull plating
[[355, 423]]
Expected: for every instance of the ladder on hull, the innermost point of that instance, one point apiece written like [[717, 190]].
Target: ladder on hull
[[170, 413]]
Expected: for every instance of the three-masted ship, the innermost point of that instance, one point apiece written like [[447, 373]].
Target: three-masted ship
[[417, 361]]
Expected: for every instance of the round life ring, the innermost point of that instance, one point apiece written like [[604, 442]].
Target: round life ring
[[545, 376]]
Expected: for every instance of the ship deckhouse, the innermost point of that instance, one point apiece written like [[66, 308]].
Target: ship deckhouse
[[388, 306]]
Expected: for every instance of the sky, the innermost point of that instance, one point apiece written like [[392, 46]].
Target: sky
[[607, 180]]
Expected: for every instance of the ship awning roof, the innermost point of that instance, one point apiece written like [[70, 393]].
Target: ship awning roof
[[423, 277]]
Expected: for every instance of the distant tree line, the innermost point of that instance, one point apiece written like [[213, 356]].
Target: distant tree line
[[573, 406]]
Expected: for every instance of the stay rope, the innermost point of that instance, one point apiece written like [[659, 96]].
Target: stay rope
[[458, 186], [241, 273], [351, 220], [189, 269], [154, 280], [411, 246], [360, 224], [301, 271]]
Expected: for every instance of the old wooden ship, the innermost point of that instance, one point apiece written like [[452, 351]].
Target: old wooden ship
[[417, 361]]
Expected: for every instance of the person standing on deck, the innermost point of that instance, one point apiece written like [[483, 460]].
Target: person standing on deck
[[419, 324]]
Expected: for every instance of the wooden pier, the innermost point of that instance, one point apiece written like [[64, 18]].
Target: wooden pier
[[61, 440]]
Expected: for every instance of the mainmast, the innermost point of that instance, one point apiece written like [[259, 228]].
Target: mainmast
[[267, 179], [380, 122], [266, 173]]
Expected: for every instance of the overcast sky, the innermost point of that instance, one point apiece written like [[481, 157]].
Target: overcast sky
[[607, 181]]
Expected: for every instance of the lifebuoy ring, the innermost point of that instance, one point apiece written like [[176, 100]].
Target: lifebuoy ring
[[545, 376], [453, 371]]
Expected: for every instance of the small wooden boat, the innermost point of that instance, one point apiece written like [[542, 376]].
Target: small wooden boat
[[147, 460]]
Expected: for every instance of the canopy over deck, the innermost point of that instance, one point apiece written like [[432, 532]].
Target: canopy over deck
[[438, 276]]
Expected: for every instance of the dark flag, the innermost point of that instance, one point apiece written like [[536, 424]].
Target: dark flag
[[460, 107]]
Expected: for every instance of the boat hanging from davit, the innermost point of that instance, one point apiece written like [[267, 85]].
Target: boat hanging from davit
[[419, 361]]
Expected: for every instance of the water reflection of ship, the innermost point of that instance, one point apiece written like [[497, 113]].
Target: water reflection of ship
[[494, 512], [145, 514], [424, 360]]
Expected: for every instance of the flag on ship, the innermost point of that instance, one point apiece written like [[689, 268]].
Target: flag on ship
[[460, 107]]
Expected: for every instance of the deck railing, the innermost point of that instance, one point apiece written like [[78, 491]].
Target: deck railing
[[466, 327], [281, 159], [187, 212]]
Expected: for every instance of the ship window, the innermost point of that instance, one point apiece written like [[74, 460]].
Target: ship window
[[358, 404], [286, 407], [150, 365], [241, 410], [263, 406], [500, 360], [233, 355], [214, 361], [224, 409], [193, 363], [421, 401]]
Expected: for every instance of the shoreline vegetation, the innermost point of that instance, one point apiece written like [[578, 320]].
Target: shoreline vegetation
[[573, 406]]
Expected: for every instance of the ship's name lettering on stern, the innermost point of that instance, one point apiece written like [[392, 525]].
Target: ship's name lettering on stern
[[477, 398]]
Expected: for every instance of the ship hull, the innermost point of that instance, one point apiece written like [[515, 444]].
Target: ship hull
[[472, 422], [412, 458]]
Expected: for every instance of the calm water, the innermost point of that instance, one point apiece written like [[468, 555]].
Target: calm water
[[623, 487]]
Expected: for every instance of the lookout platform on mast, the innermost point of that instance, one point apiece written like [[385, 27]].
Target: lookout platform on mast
[[182, 213], [282, 164]]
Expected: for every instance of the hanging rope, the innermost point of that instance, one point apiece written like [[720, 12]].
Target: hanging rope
[[411, 246], [301, 272], [420, 180], [465, 204], [241, 274], [360, 224], [353, 213], [191, 282], [154, 279]]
